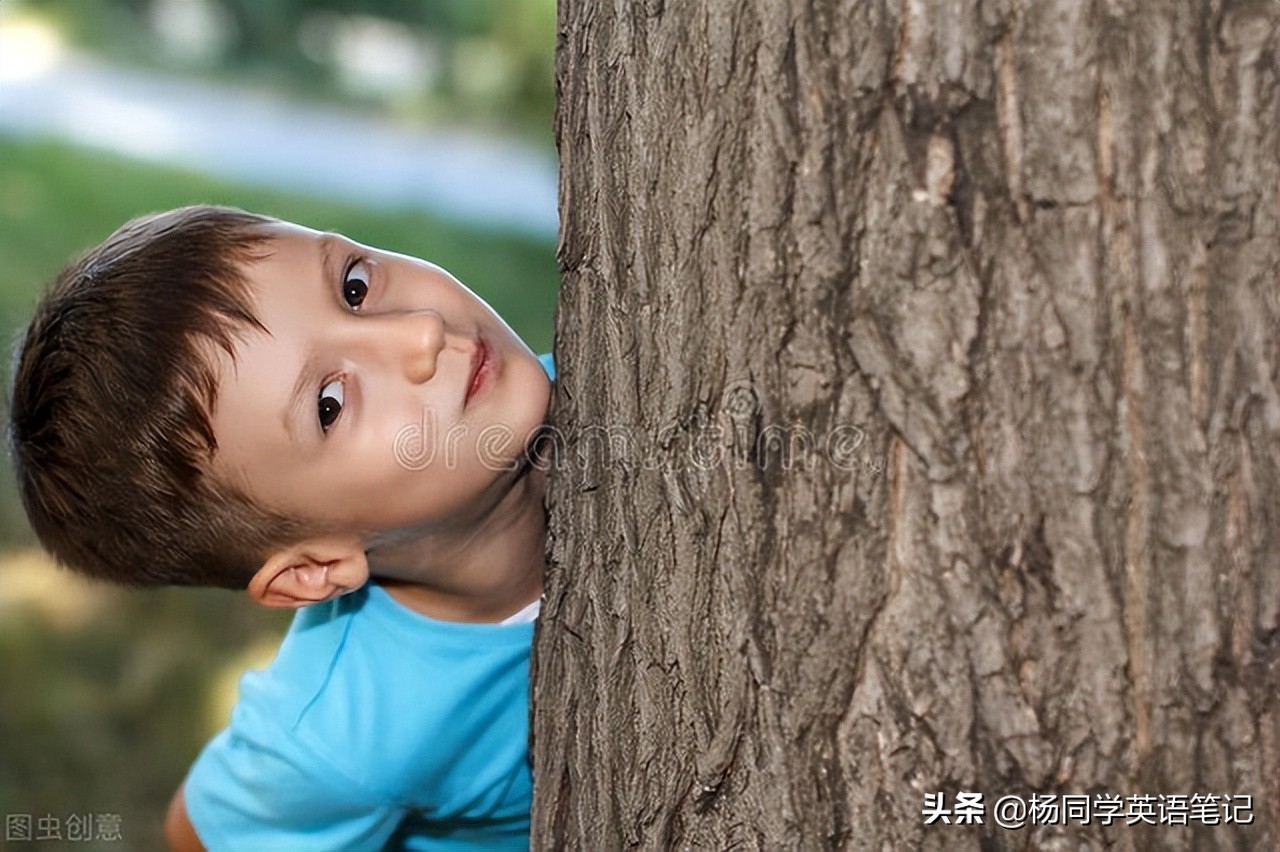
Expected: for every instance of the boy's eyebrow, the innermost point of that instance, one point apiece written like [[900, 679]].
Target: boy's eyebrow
[[329, 256], [308, 376], [307, 379]]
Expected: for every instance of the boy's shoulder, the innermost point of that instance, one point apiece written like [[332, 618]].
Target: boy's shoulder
[[367, 640], [348, 668]]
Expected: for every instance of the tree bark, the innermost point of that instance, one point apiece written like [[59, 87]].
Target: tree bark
[[918, 422]]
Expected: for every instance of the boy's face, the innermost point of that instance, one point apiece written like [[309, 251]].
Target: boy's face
[[384, 395]]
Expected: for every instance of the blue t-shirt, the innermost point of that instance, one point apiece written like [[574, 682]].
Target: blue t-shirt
[[375, 728]]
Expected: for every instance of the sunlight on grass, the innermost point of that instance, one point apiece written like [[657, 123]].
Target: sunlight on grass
[[224, 690], [28, 47], [34, 582]]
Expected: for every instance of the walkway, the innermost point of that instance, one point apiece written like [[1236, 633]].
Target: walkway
[[259, 139]]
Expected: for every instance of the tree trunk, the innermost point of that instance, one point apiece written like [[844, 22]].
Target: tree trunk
[[918, 425]]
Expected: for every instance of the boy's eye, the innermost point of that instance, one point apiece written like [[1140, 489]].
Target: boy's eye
[[355, 285], [330, 404]]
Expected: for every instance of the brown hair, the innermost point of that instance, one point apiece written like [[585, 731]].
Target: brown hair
[[114, 387]]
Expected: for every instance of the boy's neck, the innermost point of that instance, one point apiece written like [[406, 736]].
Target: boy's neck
[[482, 572]]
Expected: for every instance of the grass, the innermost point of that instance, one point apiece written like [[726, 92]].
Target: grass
[[107, 695]]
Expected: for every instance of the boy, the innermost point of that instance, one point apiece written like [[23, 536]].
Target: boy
[[212, 397]]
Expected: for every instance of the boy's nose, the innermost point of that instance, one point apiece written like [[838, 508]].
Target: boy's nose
[[416, 338]]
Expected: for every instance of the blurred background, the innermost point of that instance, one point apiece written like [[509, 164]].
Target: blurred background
[[421, 126]]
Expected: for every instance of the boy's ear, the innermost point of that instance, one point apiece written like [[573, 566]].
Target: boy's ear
[[310, 572]]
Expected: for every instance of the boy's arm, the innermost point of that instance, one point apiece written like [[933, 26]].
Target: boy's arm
[[178, 829]]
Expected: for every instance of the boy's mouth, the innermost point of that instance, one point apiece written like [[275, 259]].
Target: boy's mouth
[[480, 369]]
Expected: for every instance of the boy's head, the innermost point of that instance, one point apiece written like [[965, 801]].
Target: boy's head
[[212, 397]]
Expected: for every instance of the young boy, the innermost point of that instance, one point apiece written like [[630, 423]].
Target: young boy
[[212, 397]]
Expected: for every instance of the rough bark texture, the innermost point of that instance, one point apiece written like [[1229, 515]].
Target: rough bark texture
[[919, 420]]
